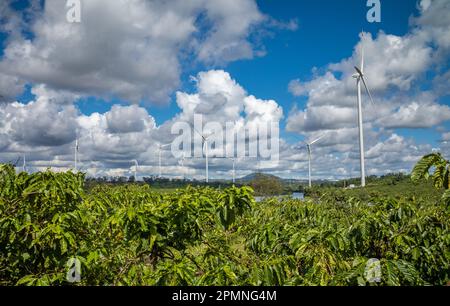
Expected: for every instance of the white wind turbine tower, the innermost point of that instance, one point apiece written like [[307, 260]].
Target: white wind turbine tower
[[233, 159], [234, 169], [205, 149], [160, 147], [359, 76], [136, 165], [76, 148], [308, 146], [183, 157], [24, 165]]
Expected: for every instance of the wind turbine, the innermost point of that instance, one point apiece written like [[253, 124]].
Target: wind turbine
[[205, 149], [136, 165], [76, 154], [234, 169], [233, 159], [182, 164], [308, 146], [160, 147], [359, 76], [24, 165]]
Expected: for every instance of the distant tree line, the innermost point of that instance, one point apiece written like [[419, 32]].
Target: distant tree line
[[262, 184], [157, 182]]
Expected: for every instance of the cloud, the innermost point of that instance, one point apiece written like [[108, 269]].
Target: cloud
[[295, 88], [291, 25], [127, 119], [232, 22], [441, 84], [40, 123], [446, 136], [385, 153], [262, 111], [128, 49], [327, 117], [433, 22], [390, 61], [115, 46], [10, 87], [119, 142], [220, 98], [46, 128], [396, 154], [415, 115]]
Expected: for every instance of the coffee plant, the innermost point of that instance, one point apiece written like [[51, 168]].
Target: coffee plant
[[134, 235]]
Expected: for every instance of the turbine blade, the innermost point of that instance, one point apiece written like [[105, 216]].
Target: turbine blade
[[362, 58], [367, 89], [359, 71], [160, 146], [314, 141], [200, 134], [208, 135], [301, 145]]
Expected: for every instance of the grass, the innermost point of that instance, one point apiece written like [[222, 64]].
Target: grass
[[404, 188]]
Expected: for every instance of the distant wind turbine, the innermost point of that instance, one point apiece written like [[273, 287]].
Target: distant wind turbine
[[136, 165], [160, 147], [233, 159], [76, 154], [183, 157], [359, 76], [205, 149], [24, 165], [234, 169], [308, 146]]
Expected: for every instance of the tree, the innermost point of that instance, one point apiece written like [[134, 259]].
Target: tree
[[266, 185], [440, 176]]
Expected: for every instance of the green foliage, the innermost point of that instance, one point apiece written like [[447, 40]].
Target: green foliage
[[266, 185], [331, 241], [441, 173], [37, 222], [133, 235]]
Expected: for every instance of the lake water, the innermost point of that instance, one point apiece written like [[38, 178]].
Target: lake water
[[298, 195], [294, 195]]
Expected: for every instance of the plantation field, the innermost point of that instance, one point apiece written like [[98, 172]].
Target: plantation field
[[404, 188], [134, 235]]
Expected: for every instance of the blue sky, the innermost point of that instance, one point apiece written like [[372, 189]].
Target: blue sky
[[274, 50]]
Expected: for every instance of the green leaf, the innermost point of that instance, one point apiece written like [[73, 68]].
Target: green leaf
[[421, 169]]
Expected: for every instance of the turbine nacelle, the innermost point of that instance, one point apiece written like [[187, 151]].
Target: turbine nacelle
[[359, 73], [360, 76]]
